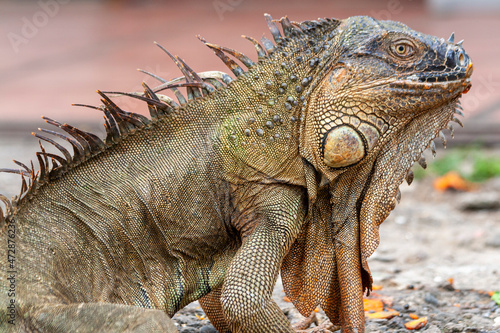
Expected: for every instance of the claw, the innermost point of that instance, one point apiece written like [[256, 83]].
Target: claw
[[325, 327], [306, 322]]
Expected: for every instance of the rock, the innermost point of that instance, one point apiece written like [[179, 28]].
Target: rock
[[373, 327], [453, 328], [396, 322], [188, 329], [493, 184], [187, 321], [208, 329], [493, 240], [446, 285], [181, 319], [480, 201], [384, 258], [432, 329], [431, 299]]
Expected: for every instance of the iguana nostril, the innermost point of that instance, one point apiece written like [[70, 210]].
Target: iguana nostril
[[461, 58]]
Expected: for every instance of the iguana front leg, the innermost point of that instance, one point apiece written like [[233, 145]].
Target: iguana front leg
[[247, 289], [211, 304]]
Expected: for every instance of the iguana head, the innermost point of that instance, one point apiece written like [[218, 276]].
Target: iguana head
[[377, 95], [382, 77], [382, 94]]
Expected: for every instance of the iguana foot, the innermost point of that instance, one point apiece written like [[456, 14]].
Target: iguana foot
[[303, 325], [306, 322]]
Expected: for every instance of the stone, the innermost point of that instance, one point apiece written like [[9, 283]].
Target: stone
[[432, 329], [453, 328], [208, 329], [431, 299], [480, 201]]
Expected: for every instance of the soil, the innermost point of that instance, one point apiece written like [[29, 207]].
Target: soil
[[439, 256]]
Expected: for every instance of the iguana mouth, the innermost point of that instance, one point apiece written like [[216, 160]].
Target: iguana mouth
[[411, 87], [438, 81]]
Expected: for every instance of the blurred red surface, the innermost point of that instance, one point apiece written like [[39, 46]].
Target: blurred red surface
[[57, 52]]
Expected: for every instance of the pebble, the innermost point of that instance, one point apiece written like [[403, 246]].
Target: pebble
[[453, 328], [431, 299], [188, 329], [374, 327], [432, 329], [396, 322], [208, 329], [480, 201], [493, 241]]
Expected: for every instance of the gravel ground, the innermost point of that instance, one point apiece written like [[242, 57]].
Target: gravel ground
[[430, 238]]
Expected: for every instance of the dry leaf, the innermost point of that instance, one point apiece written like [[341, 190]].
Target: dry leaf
[[373, 304], [413, 316], [416, 324], [452, 180], [382, 315]]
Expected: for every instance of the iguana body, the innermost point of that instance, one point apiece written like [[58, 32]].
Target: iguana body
[[291, 166]]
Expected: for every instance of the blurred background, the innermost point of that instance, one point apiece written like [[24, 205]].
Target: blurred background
[[57, 52]]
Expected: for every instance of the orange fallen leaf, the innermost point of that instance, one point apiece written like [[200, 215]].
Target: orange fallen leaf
[[457, 305], [377, 287], [382, 315], [452, 181], [286, 299], [490, 293], [413, 316], [416, 324], [450, 281], [373, 304]]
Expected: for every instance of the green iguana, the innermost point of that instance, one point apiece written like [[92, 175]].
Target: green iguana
[[290, 167]]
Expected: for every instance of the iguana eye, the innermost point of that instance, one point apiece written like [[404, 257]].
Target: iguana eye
[[402, 49]]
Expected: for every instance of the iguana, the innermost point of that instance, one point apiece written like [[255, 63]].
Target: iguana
[[289, 167]]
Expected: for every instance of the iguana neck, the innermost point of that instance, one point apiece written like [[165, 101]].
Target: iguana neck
[[263, 111]]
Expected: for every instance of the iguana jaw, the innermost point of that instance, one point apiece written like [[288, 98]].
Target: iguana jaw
[[448, 89]]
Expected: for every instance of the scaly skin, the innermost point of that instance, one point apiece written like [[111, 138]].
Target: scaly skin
[[291, 166]]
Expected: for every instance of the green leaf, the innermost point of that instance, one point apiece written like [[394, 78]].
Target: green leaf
[[496, 297]]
